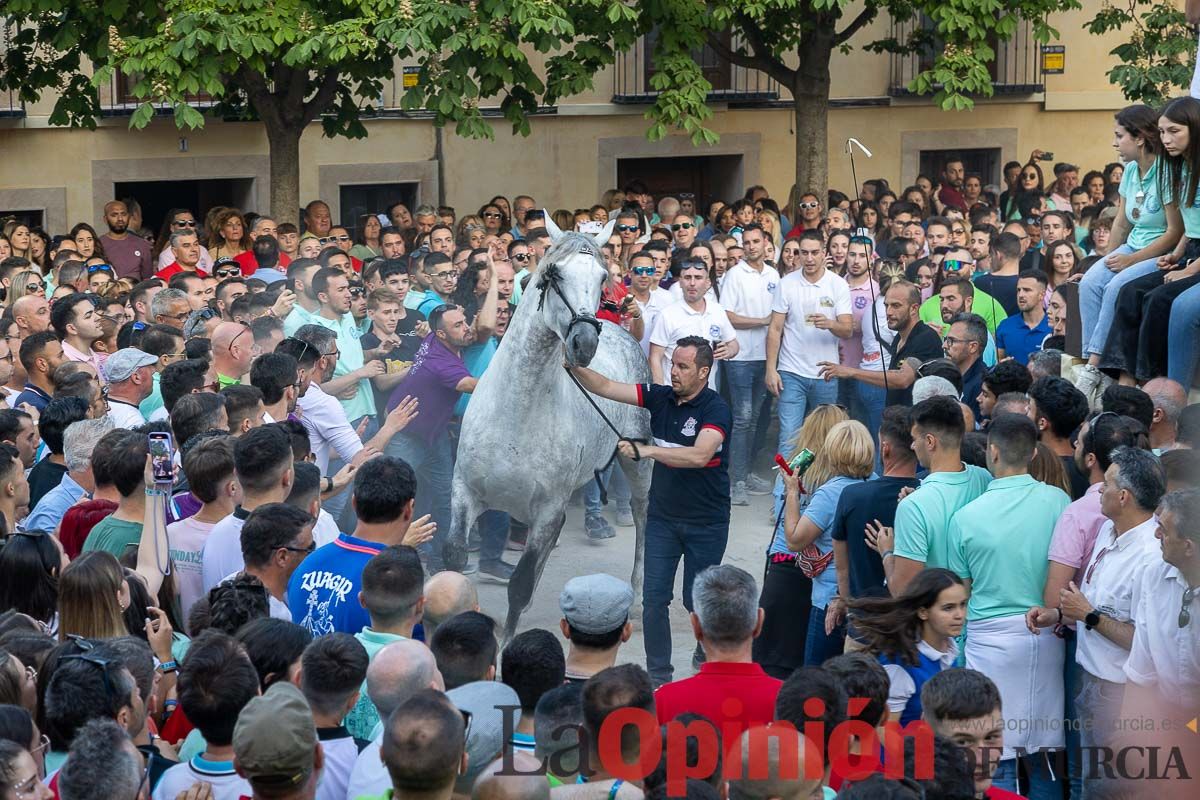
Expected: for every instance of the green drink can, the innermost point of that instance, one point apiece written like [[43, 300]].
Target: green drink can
[[801, 461]]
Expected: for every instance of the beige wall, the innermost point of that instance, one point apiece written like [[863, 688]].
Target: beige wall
[[570, 157]]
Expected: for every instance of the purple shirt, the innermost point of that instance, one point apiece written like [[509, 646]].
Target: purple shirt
[[130, 256], [435, 373]]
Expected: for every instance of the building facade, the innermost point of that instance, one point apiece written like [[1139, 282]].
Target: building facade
[[590, 143]]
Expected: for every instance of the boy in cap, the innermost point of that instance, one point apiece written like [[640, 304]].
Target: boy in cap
[[595, 621], [275, 745]]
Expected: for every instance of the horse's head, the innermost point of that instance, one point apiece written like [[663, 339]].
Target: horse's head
[[571, 276]]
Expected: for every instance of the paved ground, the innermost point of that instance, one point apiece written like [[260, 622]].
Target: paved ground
[[749, 534]]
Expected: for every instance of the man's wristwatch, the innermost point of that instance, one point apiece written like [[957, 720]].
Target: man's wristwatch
[[1092, 619], [328, 484]]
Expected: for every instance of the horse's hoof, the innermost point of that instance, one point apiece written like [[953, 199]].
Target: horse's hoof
[[454, 556]]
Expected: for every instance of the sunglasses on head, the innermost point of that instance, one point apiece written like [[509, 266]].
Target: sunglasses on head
[[99, 267], [357, 291], [861, 240]]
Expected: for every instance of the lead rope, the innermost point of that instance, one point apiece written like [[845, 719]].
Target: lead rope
[[637, 456]]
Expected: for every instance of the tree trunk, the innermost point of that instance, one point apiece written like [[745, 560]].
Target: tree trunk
[[284, 143], [810, 100]]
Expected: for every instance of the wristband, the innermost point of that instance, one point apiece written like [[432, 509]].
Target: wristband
[[886, 553], [156, 492], [168, 666], [1060, 616], [328, 484]]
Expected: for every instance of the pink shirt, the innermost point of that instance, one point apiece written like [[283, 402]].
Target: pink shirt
[[89, 357], [861, 298], [1076, 531]]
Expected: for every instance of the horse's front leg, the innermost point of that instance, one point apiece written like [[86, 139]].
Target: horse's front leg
[[543, 533], [464, 511]]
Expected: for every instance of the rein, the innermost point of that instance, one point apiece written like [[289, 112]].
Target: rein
[[551, 280]]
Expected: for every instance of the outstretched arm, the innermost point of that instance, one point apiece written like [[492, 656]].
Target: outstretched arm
[[596, 383]]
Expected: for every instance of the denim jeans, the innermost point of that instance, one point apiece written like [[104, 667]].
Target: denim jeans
[[700, 545], [1184, 338], [1071, 673], [746, 390], [1099, 707], [818, 645], [798, 398], [434, 465], [872, 400], [619, 492], [493, 533], [1042, 780], [1098, 290]]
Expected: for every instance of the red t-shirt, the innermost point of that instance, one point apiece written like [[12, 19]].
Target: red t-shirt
[[612, 295], [249, 265], [729, 694], [78, 522], [173, 269], [1002, 794]]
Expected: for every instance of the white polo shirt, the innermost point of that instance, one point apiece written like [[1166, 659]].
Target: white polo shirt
[[749, 292], [659, 299], [804, 346], [679, 320], [1164, 654], [1108, 585]]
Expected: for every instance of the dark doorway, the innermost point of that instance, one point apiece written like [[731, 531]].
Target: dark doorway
[[716, 70], [31, 217], [372, 198], [158, 197], [707, 178], [984, 162]]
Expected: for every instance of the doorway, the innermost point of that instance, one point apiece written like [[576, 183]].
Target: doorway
[[158, 197], [357, 199], [706, 178], [984, 162]]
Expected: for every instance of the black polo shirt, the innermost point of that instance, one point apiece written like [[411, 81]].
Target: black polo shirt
[[859, 504], [923, 344], [699, 495], [972, 383]]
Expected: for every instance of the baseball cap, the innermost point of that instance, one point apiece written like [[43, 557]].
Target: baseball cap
[[596, 604], [275, 737], [485, 702], [121, 365]]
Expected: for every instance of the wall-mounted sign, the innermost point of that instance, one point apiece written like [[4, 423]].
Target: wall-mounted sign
[[410, 76], [1054, 59]]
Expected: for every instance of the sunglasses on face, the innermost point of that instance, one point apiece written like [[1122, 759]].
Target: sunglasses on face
[[312, 546], [34, 288], [627, 228], [492, 214], [329, 239], [643, 270], [222, 274], [522, 257], [954, 264], [184, 223], [357, 291], [687, 226], [810, 204]]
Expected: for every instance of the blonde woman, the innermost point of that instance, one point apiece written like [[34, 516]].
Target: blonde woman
[[18, 236], [847, 457], [769, 221], [787, 592], [24, 283]]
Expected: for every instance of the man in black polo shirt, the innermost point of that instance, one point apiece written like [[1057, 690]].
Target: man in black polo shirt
[[689, 493], [873, 503], [915, 343]]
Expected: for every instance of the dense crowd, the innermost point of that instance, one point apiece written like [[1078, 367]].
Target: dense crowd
[[986, 513]]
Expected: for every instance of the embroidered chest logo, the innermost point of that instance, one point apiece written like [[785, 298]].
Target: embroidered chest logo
[[714, 332], [689, 427]]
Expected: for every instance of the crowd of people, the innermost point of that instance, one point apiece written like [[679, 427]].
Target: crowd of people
[[976, 525]]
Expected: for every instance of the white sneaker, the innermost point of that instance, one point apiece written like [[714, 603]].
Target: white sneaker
[[738, 497]]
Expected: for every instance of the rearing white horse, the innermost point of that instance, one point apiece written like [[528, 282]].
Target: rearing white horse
[[529, 437]]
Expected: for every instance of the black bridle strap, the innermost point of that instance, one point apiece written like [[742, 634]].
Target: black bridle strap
[[576, 318], [637, 456]]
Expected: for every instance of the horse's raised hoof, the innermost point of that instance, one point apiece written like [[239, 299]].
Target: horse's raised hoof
[[454, 556]]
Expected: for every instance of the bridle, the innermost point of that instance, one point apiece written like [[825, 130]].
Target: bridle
[[552, 279]]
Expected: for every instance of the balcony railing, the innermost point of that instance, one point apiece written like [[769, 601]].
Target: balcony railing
[[730, 83], [10, 104], [1016, 70], [117, 99]]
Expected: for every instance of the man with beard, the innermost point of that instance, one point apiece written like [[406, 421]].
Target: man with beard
[[129, 254]]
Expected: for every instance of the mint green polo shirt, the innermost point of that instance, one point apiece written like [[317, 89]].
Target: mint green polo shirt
[[1140, 193], [350, 355], [363, 718], [154, 402], [1000, 542], [923, 518]]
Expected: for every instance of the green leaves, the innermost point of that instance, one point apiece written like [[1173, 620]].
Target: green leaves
[[1158, 51]]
